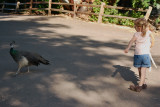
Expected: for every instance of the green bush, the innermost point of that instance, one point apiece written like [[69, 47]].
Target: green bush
[[144, 4]]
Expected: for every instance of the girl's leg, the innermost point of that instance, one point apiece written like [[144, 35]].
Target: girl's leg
[[143, 76], [139, 71]]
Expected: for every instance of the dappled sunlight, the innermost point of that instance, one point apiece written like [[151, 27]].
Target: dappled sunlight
[[100, 81], [104, 50], [16, 102], [88, 67], [87, 92]]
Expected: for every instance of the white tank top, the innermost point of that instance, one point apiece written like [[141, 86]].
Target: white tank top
[[142, 44]]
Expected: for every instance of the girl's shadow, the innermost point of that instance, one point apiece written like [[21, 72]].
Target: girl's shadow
[[126, 74]]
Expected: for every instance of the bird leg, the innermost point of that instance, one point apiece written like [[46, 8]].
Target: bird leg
[[18, 70], [28, 68]]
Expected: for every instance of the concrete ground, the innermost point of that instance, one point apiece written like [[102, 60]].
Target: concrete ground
[[88, 66]]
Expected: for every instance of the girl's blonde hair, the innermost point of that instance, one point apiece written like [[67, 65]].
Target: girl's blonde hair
[[151, 28], [141, 22]]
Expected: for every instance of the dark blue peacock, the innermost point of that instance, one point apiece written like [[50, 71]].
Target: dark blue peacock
[[26, 59]]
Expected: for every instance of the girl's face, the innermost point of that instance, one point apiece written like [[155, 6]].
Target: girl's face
[[138, 29]]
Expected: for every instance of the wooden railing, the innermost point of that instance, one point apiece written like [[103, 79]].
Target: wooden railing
[[75, 10]]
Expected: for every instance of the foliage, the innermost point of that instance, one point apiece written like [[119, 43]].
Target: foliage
[[144, 4], [109, 11]]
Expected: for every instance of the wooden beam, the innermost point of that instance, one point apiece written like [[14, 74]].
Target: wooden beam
[[14, 4], [62, 10], [40, 2], [75, 10], [49, 7], [31, 6], [121, 17], [89, 13], [88, 5], [101, 12], [62, 3], [148, 13], [124, 8], [3, 6], [39, 9]]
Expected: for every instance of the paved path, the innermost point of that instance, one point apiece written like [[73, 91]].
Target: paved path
[[88, 67]]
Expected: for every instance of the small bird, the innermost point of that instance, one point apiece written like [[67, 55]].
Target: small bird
[[26, 59]]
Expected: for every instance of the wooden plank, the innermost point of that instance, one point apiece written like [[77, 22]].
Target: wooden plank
[[26, 3], [39, 9], [89, 13], [3, 6], [60, 10], [101, 13], [122, 17], [49, 7], [14, 4], [25, 9], [62, 3], [89, 5], [8, 9], [75, 10], [124, 8], [148, 13], [40, 2], [30, 7]]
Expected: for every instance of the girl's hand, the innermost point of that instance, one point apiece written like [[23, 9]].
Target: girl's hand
[[126, 50]]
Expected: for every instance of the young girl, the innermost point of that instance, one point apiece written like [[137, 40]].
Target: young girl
[[143, 41]]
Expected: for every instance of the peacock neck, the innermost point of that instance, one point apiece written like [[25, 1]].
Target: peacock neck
[[12, 51]]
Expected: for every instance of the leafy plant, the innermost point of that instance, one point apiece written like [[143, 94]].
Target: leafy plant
[[144, 4]]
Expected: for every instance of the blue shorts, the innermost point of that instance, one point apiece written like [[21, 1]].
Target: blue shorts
[[142, 61]]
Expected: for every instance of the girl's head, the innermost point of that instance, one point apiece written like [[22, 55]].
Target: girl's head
[[141, 25]]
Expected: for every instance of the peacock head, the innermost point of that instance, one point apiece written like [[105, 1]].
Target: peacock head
[[12, 44]]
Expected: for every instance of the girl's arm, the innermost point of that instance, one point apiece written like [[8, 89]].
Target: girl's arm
[[130, 44], [152, 40]]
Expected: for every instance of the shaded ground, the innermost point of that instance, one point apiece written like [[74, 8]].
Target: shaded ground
[[88, 67]]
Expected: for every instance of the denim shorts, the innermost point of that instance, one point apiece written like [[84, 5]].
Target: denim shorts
[[142, 61]]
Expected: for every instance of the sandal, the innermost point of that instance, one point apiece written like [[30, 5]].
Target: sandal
[[136, 88], [144, 86]]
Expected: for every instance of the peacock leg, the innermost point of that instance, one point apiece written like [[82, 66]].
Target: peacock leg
[[28, 68], [18, 70]]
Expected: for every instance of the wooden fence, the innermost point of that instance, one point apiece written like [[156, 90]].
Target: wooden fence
[[75, 10]]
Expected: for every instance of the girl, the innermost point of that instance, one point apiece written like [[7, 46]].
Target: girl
[[143, 41]]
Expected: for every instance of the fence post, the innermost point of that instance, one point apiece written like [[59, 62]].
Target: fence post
[[75, 10], [148, 13], [17, 6], [49, 7], [101, 12], [30, 7], [3, 6]]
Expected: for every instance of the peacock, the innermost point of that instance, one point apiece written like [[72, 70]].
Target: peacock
[[26, 59]]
